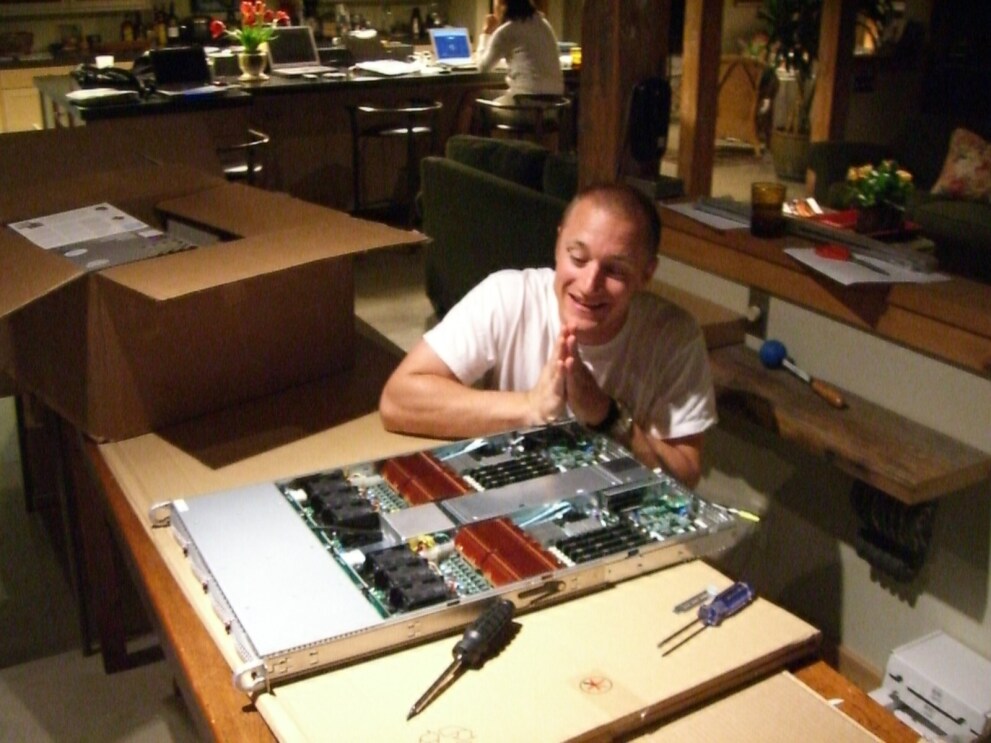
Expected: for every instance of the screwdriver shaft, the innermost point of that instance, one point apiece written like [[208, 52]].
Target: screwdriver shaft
[[471, 649], [435, 687], [682, 642]]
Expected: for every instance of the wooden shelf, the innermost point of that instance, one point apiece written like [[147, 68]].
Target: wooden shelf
[[904, 459], [950, 320]]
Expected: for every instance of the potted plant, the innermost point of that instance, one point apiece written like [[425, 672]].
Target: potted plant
[[793, 43], [879, 194], [258, 24]]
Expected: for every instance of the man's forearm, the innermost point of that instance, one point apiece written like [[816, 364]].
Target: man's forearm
[[428, 405]]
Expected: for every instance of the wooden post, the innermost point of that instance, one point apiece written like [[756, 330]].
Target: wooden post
[[623, 42], [832, 98], [699, 91]]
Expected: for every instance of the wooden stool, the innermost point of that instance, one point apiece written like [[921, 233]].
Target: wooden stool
[[411, 120], [241, 161]]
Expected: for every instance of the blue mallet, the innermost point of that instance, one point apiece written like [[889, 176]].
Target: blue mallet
[[774, 355]]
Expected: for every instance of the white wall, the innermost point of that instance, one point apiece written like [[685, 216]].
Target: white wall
[[802, 556], [9, 452]]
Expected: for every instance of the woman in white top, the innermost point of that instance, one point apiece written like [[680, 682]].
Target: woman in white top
[[521, 35]]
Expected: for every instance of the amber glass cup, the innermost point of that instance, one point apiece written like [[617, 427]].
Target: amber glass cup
[[766, 215]]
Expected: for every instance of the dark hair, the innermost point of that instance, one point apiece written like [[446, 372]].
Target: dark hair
[[519, 10], [627, 201]]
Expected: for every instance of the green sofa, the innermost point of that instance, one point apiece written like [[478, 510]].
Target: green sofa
[[961, 229], [490, 204]]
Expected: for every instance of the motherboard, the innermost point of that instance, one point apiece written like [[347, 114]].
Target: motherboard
[[313, 571]]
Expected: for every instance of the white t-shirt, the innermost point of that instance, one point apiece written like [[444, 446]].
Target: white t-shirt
[[530, 50], [504, 331]]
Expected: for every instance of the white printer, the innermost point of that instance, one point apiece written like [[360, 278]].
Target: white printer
[[940, 688]]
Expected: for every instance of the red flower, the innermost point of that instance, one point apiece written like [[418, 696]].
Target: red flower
[[217, 28]]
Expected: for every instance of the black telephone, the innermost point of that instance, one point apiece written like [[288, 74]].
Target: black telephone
[[650, 114], [90, 76]]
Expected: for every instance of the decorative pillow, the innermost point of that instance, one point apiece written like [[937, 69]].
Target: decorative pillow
[[966, 172]]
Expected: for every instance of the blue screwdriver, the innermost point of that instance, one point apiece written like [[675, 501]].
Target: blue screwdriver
[[725, 604]]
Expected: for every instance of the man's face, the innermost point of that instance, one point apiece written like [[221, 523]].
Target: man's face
[[600, 264]]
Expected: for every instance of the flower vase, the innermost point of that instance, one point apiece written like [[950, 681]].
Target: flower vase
[[879, 218], [252, 66]]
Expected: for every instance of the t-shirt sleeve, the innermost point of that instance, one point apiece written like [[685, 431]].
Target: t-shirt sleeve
[[468, 339], [687, 403], [680, 400]]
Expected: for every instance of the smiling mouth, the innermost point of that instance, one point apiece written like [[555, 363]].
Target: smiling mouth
[[586, 305]]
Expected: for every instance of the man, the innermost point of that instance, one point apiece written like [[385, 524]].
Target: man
[[581, 338]]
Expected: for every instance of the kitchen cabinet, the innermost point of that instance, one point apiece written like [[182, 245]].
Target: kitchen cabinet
[[20, 104]]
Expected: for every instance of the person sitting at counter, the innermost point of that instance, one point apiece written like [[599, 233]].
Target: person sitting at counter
[[525, 348], [517, 33]]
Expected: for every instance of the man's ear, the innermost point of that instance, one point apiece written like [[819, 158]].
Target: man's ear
[[650, 268]]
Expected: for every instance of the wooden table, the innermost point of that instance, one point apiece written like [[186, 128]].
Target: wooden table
[[251, 449]]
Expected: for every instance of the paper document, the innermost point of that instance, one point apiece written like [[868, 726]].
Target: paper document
[[865, 270], [98, 236], [390, 67], [712, 220], [77, 225]]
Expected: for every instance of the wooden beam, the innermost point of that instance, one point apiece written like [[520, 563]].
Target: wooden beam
[[622, 43], [836, 41], [699, 82]]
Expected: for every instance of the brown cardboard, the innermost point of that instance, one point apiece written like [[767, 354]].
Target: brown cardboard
[[141, 346]]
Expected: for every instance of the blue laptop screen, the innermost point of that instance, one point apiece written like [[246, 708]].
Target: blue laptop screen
[[451, 45]]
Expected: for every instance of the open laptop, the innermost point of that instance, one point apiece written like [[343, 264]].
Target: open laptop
[[452, 47], [182, 71], [292, 51]]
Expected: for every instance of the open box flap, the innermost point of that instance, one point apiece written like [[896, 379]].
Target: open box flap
[[183, 273], [224, 209], [139, 187], [28, 273]]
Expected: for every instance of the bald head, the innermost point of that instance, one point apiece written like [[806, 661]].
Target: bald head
[[627, 203]]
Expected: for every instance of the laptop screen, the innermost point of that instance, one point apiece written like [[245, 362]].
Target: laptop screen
[[181, 65], [450, 43], [293, 45]]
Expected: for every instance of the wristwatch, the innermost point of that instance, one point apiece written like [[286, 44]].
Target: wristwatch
[[618, 423]]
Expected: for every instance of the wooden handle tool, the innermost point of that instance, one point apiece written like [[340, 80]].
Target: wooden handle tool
[[774, 355]]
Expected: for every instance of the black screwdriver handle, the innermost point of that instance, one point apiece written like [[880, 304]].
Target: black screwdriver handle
[[472, 648]]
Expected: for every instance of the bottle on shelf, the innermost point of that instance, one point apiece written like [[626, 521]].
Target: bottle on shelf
[[387, 22], [415, 25], [126, 29], [172, 26], [161, 33]]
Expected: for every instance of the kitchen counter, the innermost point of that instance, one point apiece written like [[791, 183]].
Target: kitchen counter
[[309, 155]]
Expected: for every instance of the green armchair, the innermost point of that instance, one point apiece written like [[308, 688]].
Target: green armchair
[[490, 204]]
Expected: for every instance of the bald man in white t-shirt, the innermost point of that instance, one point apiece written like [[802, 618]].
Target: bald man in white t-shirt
[[529, 347]]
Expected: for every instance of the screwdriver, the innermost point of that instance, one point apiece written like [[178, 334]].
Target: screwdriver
[[725, 604], [471, 650]]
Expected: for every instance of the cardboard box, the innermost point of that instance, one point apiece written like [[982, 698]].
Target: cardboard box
[[139, 346]]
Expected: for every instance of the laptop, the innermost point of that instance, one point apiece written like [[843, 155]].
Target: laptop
[[182, 71], [293, 52], [452, 47]]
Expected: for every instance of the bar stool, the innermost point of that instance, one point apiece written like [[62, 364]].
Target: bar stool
[[241, 161], [411, 120], [529, 116]]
